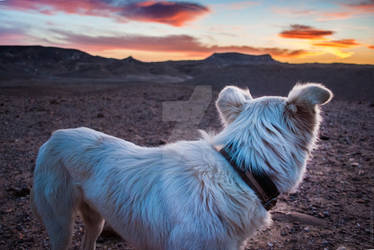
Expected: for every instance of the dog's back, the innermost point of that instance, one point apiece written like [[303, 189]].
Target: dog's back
[[141, 192]]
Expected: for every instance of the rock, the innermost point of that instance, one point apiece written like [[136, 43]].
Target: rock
[[326, 213], [341, 248], [362, 201], [324, 137], [325, 243], [162, 142], [53, 101], [19, 192], [355, 164], [284, 232], [355, 178], [295, 217]]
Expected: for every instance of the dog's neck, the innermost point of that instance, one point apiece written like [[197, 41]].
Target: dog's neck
[[260, 183], [280, 153]]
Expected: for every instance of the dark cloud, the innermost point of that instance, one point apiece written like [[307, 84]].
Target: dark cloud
[[168, 12], [305, 32], [173, 13]]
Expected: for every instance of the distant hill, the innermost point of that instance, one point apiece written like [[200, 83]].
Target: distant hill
[[38, 61], [226, 59], [261, 73]]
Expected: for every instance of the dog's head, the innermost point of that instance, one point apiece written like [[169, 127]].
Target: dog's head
[[272, 134]]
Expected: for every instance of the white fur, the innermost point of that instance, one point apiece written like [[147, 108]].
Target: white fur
[[179, 196], [312, 93]]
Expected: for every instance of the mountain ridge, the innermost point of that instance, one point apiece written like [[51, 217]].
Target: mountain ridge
[[51, 66], [232, 57], [215, 55], [39, 61]]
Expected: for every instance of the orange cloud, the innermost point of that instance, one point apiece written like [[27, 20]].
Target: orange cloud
[[298, 31], [335, 47], [326, 46], [168, 12], [170, 44], [344, 43], [371, 46]]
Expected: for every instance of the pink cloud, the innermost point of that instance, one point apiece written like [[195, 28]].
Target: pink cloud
[[167, 12], [343, 11], [362, 7], [293, 12], [173, 44], [11, 36], [83, 7], [336, 15], [349, 10]]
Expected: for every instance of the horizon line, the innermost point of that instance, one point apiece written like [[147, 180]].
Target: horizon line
[[204, 58]]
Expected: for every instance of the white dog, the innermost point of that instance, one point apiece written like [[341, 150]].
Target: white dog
[[211, 193]]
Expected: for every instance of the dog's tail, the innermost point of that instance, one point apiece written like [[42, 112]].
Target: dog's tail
[[52, 195]]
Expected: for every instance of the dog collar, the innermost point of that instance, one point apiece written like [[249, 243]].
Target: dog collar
[[260, 183]]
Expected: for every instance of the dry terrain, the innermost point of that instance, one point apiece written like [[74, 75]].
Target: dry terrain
[[332, 208]]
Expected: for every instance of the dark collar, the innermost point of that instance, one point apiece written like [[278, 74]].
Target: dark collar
[[260, 183]]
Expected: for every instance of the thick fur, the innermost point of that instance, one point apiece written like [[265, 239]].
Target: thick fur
[[182, 195]]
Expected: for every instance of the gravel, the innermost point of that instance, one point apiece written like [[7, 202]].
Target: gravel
[[332, 209]]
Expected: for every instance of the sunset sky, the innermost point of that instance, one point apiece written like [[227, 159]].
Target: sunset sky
[[291, 31]]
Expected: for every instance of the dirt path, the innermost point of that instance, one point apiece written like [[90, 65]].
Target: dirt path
[[332, 208]]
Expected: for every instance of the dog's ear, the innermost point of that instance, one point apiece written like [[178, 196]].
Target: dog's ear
[[230, 102], [309, 95]]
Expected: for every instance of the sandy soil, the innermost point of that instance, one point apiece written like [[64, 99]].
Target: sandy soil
[[333, 208]]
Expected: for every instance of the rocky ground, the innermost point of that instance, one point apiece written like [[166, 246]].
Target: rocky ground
[[333, 208]]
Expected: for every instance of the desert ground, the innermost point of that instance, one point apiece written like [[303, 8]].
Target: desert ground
[[332, 209]]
